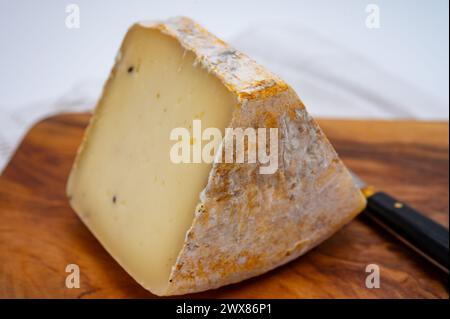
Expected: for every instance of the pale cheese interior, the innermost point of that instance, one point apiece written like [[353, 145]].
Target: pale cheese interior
[[124, 186]]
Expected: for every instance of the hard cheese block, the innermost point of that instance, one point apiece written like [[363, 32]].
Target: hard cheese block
[[183, 228]]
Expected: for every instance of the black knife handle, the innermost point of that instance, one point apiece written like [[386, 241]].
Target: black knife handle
[[429, 237]]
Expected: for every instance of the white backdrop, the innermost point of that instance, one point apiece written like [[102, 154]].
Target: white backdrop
[[339, 67]]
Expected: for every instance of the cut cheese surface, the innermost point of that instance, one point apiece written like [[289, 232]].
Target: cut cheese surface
[[134, 198], [182, 228]]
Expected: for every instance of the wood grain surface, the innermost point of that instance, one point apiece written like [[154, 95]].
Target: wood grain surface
[[40, 234]]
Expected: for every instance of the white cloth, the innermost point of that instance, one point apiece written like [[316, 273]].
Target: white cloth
[[333, 81], [14, 124]]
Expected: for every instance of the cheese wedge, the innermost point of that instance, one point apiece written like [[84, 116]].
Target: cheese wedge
[[183, 228]]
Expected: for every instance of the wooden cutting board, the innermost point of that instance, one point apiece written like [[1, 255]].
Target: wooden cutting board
[[40, 234]]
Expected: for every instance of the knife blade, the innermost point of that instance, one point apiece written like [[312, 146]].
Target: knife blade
[[417, 231]]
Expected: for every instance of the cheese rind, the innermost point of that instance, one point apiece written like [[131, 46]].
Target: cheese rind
[[245, 223]]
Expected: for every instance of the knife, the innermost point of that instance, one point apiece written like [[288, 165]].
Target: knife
[[423, 235]]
